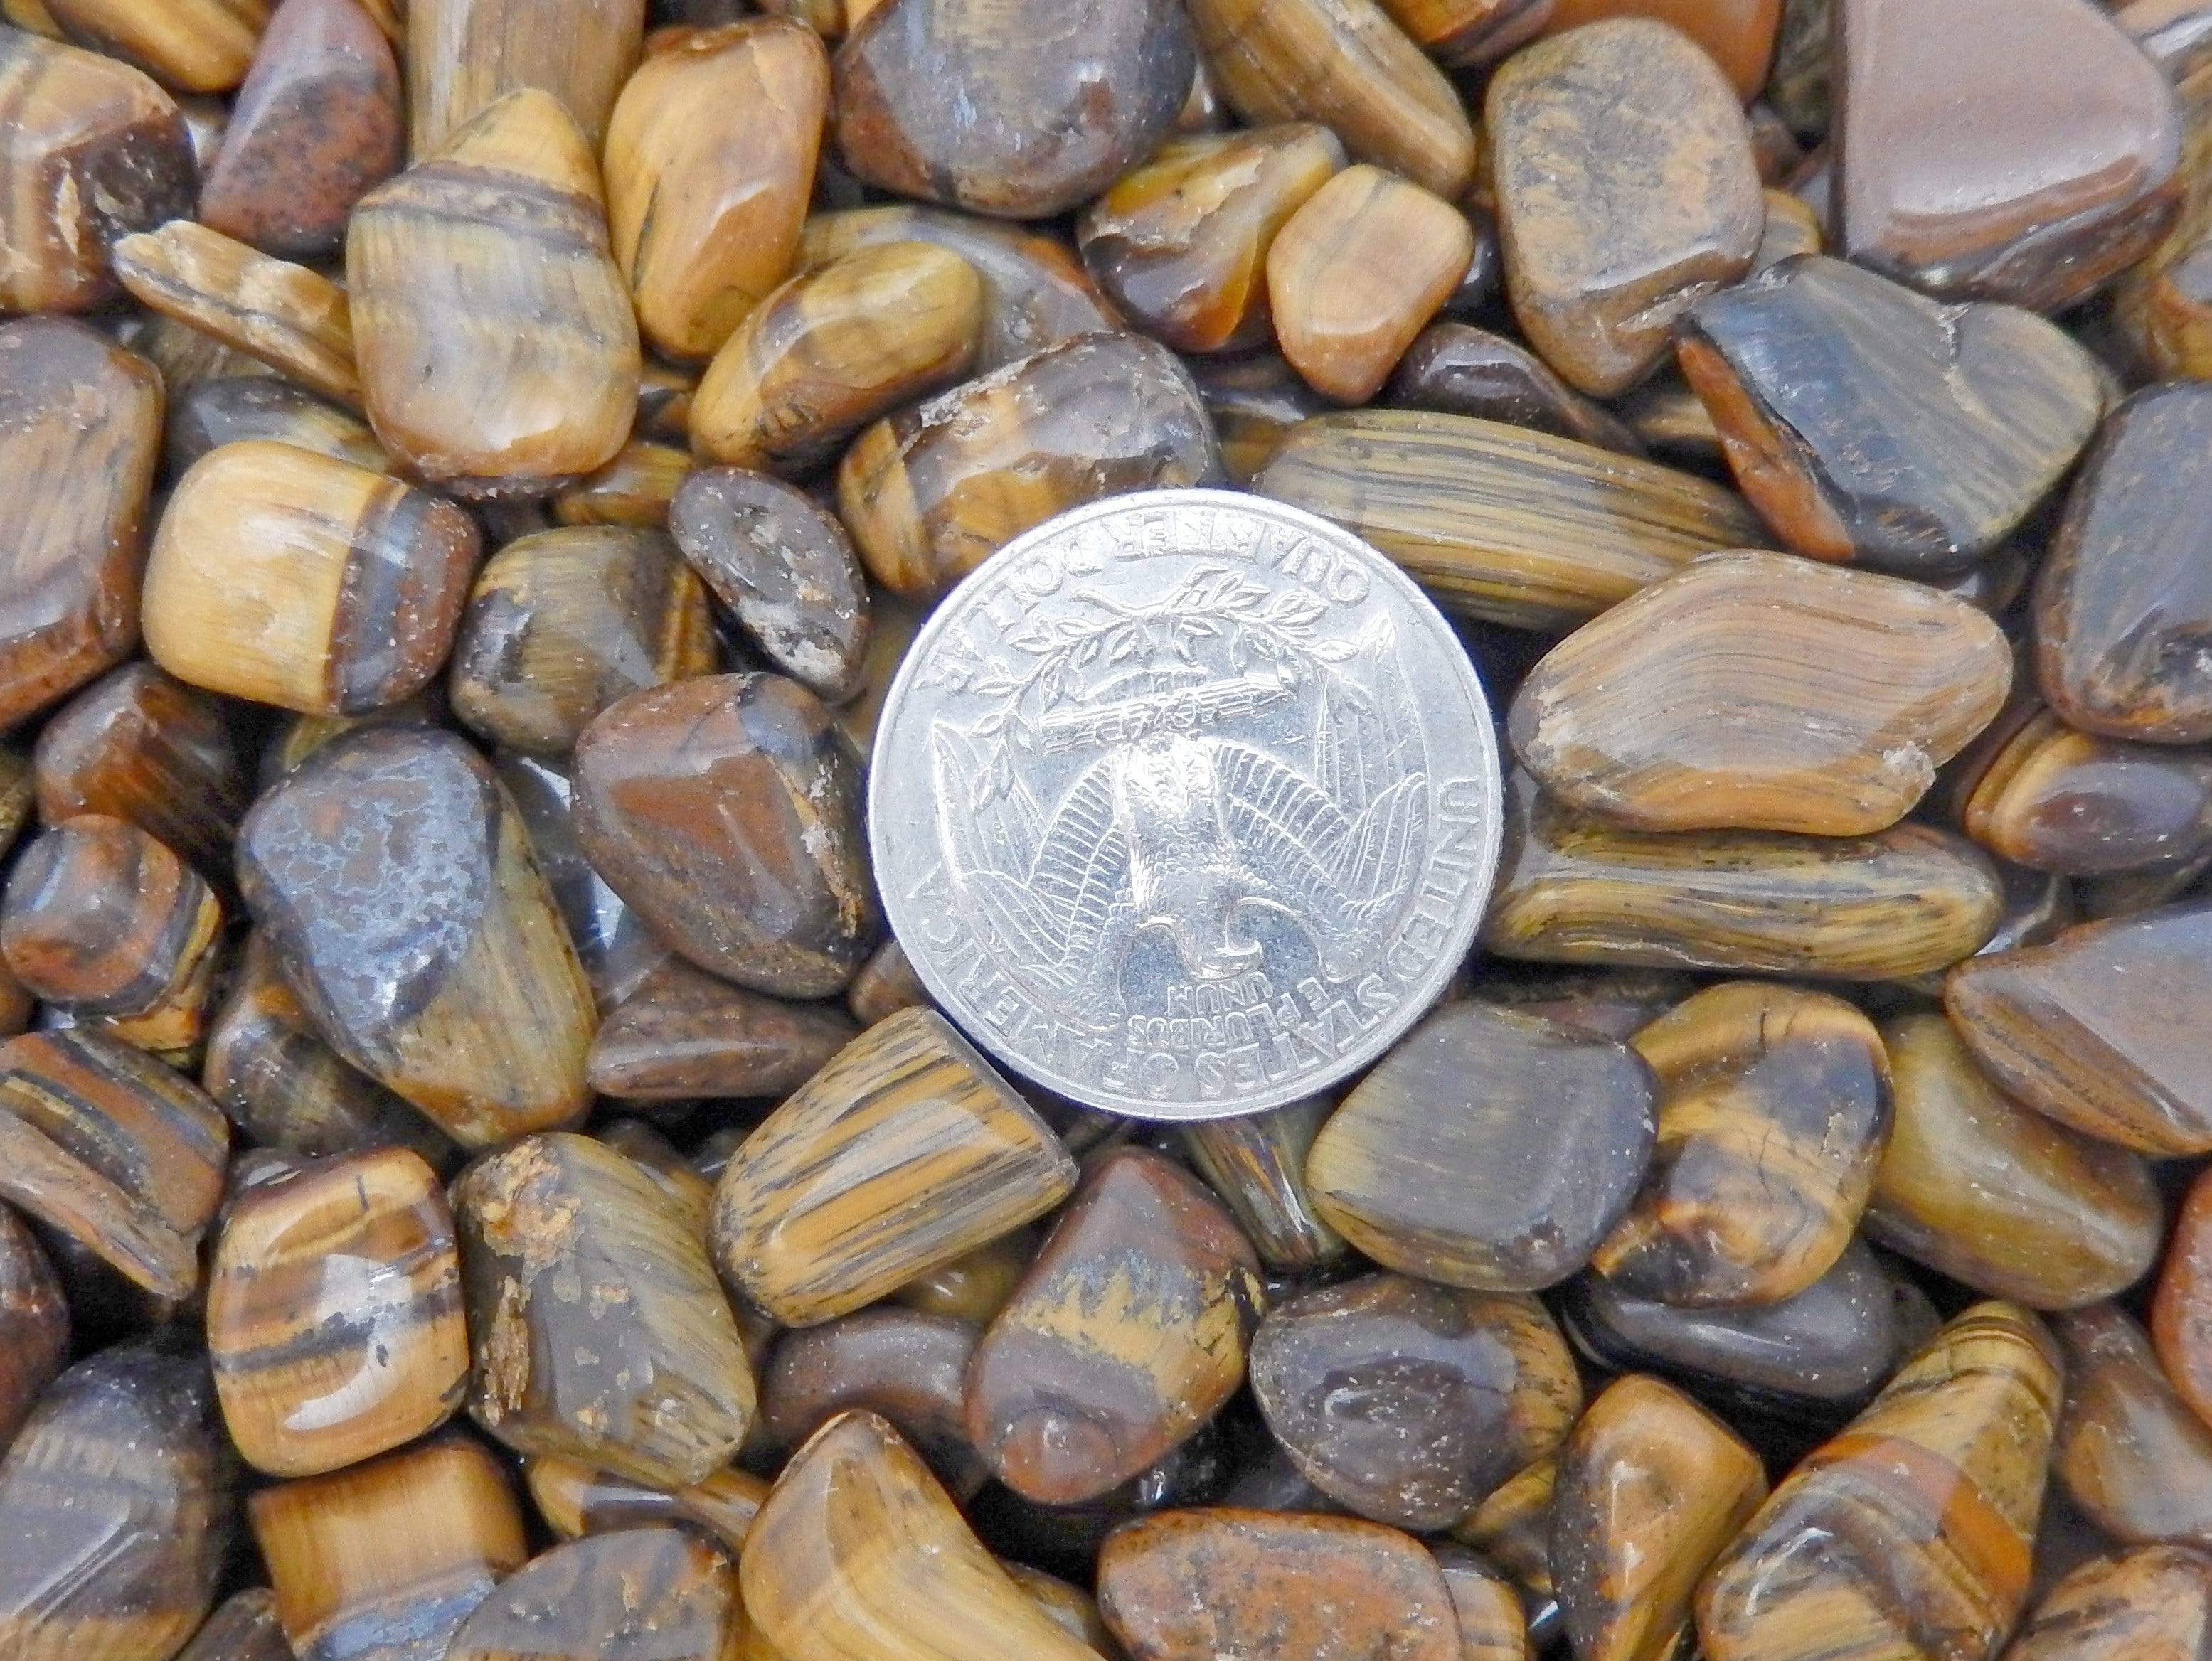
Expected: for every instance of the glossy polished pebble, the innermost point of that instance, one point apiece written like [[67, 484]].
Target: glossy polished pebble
[[2162, 307], [191, 46], [643, 1594], [1345, 64], [1493, 1626], [1055, 102], [2054, 799], [683, 1033], [1737, 34], [115, 1500], [563, 623], [710, 156], [1036, 292], [34, 1323], [976, 1285], [1255, 400], [1760, 691], [2181, 1311], [210, 414], [384, 1560], [822, 1210], [1256, 1164], [243, 1628], [92, 150], [1180, 241], [1614, 1003], [316, 125], [498, 349], [292, 318], [1651, 1488], [1999, 1199], [2152, 1604], [1457, 369], [1626, 189], [1810, 1356], [1357, 272], [1407, 1403], [836, 347], [2092, 1027], [1871, 425], [726, 812], [634, 488], [859, 1555], [1573, 889], [2125, 595], [464, 56], [1127, 1334], [784, 567], [1938, 1485], [931, 492], [908, 1366], [103, 921], [1488, 1150], [395, 882], [576, 1500], [300, 581], [2030, 174], [1226, 1585], [112, 1151], [80, 435], [2130, 1453], [1469, 34], [1773, 1110], [1500, 523]]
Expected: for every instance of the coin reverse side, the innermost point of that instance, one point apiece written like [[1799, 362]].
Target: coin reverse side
[[1185, 804]]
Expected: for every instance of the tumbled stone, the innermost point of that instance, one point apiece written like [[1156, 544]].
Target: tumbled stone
[[2130, 1453], [634, 488], [1871, 425], [640, 1594], [243, 1628], [1760, 691], [2162, 306], [2181, 1311], [683, 1033], [1737, 34], [2053, 799], [1626, 189], [34, 1323], [976, 1285], [1409, 1402], [1458, 369], [1256, 401], [1493, 1626], [464, 56], [910, 1365], [210, 414], [1256, 1163], [576, 1500], [2152, 1604], [1487, 1149]]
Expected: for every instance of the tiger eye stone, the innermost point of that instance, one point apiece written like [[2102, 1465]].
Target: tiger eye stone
[[976, 1285], [34, 1323], [643, 1594], [334, 1312], [210, 414], [2124, 600], [2057, 800], [1999, 1199], [190, 45], [783, 567], [906, 1365], [2162, 306], [1357, 272], [1870, 425], [576, 1500], [115, 1502], [1127, 1334], [1651, 1488], [1773, 1110], [243, 1628], [1457, 369], [1739, 35], [2028, 175], [836, 347], [499, 348], [2181, 1311], [2152, 1604], [634, 488], [1760, 691], [91, 151], [1055, 102], [1491, 1624], [1938, 1486], [103, 921], [710, 155], [1407, 1403], [1256, 401], [725, 810], [563, 623], [1180, 241], [1626, 189], [2130, 1453], [1227, 1585], [904, 1152], [112, 1151], [1488, 1150], [2094, 1028], [1573, 889], [683, 1033], [1256, 1163], [1347, 66], [383, 1561], [600, 1333], [300, 581], [859, 1555], [933, 491], [1500, 523], [80, 435], [464, 56], [395, 882]]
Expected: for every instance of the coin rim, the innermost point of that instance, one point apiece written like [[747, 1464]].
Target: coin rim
[[1449, 957]]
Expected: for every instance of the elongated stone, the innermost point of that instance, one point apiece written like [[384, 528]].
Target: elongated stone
[[2130, 1453], [683, 1033], [643, 1594], [1256, 1163], [34, 1323], [1739, 35], [2054, 799], [2181, 1311]]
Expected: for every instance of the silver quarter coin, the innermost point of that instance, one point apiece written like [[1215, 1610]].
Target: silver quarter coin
[[1185, 804]]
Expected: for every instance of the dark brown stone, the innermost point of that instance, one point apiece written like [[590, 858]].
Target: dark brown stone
[[34, 1323], [2154, 1603], [683, 1032], [1462, 370], [2130, 1453], [1256, 1163], [2181, 1311], [909, 1367]]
